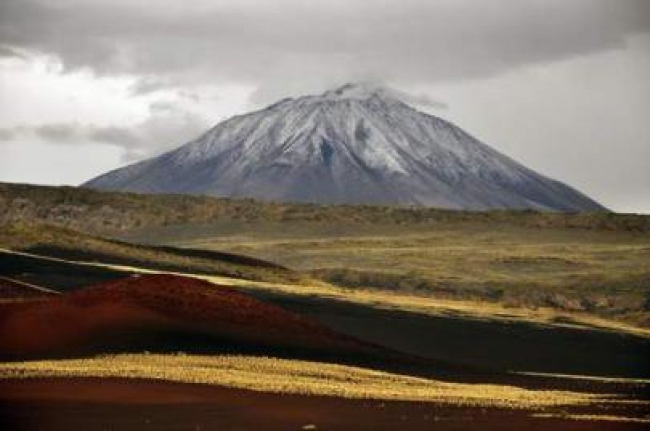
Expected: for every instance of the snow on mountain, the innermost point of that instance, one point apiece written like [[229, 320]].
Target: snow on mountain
[[354, 144]]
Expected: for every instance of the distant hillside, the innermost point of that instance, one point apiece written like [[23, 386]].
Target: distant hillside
[[113, 212], [63, 243]]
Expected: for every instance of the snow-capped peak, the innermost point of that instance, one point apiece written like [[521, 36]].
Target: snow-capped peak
[[354, 144]]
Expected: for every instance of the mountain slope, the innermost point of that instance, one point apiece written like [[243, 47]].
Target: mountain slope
[[354, 144]]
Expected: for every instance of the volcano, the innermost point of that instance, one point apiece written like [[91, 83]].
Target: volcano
[[356, 144]]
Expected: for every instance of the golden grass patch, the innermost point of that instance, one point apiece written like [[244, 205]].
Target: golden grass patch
[[294, 377]]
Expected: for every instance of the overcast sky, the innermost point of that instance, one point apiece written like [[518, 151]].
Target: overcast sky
[[563, 86]]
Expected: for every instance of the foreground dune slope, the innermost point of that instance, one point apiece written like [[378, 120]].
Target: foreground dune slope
[[160, 312]]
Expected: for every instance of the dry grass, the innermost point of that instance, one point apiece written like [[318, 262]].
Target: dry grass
[[602, 418], [94, 211], [604, 274], [295, 377]]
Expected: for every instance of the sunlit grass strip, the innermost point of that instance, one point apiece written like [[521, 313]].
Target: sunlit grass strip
[[293, 377], [604, 418], [624, 380]]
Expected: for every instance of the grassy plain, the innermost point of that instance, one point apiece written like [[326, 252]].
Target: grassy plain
[[601, 273], [595, 263]]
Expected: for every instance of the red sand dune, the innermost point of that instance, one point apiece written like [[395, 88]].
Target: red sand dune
[[158, 311]]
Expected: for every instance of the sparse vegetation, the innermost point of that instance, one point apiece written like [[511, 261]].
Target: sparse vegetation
[[591, 264], [65, 243], [605, 274], [396, 300], [110, 212]]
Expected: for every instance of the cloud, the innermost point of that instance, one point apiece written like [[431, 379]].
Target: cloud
[[420, 99], [149, 84], [167, 127], [299, 46], [9, 52], [54, 132]]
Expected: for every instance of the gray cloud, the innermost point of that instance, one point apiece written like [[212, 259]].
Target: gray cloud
[[54, 132], [149, 84], [7, 51], [166, 128], [291, 45]]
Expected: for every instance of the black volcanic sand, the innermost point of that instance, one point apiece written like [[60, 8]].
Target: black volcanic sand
[[10, 289], [113, 404], [487, 344], [52, 274]]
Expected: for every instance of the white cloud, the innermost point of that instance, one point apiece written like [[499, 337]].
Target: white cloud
[[65, 127], [41, 162], [36, 89]]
